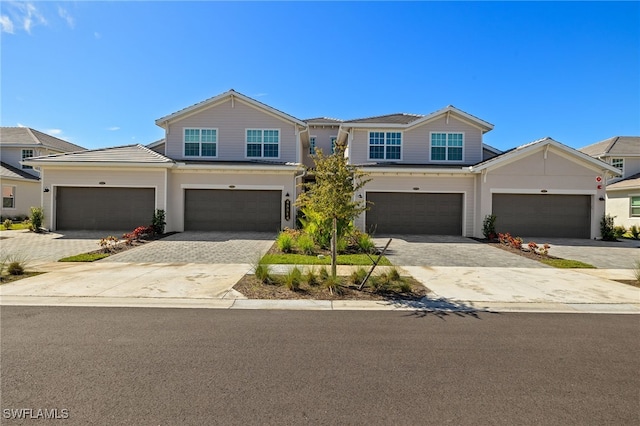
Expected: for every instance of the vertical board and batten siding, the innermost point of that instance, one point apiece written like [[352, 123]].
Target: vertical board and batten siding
[[121, 177], [232, 123], [428, 184], [323, 137], [533, 174], [416, 142]]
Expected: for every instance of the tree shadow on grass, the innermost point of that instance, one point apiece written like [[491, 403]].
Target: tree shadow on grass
[[439, 307]]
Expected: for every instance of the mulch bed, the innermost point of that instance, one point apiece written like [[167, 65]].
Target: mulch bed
[[122, 246], [253, 288]]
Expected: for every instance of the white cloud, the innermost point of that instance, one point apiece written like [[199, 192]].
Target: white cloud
[[54, 132], [30, 16], [21, 125], [67, 17], [259, 95], [7, 24], [113, 128]]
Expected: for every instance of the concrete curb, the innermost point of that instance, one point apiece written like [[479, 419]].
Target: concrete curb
[[430, 306]]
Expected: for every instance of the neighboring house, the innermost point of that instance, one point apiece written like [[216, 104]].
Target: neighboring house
[[21, 188], [233, 163], [623, 189]]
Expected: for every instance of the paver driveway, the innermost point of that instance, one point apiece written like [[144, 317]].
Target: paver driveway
[[439, 250], [50, 247], [201, 247]]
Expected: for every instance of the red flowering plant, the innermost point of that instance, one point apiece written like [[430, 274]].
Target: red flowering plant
[[139, 232]]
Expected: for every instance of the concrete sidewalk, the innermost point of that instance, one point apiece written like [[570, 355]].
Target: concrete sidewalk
[[453, 289]]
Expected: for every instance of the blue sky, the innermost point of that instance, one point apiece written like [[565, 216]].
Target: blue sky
[[99, 73]]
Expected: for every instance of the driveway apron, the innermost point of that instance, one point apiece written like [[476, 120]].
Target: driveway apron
[[201, 247], [447, 250]]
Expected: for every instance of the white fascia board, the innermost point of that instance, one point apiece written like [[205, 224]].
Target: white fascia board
[[248, 168], [413, 171], [484, 125], [100, 164], [356, 126]]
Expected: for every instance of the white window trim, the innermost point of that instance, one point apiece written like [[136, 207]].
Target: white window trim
[[623, 164], [22, 157], [385, 131], [464, 142], [315, 138], [13, 191], [200, 143], [246, 143], [631, 215]]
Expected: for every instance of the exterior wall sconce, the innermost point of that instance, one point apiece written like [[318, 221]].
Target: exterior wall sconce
[[286, 195], [360, 196], [601, 198], [45, 190]]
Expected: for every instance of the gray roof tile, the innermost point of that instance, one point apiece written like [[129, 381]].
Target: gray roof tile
[[617, 145], [28, 136], [630, 182], [398, 118], [9, 172], [119, 154]]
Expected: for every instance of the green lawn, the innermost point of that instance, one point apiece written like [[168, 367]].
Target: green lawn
[[566, 263], [84, 257], [301, 259], [16, 226]]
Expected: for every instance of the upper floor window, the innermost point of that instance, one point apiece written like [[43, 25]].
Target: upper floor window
[[200, 142], [263, 143], [27, 153], [635, 206], [618, 163], [385, 145], [8, 197], [312, 145], [447, 146]]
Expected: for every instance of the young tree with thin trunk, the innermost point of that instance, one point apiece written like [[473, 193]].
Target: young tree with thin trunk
[[332, 196]]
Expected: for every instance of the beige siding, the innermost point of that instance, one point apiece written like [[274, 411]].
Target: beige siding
[[112, 177], [27, 195], [180, 180], [416, 142], [619, 206], [232, 119], [534, 174], [323, 137], [443, 184]]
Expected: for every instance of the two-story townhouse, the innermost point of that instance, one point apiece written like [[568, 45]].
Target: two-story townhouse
[[623, 189], [21, 183], [234, 163]]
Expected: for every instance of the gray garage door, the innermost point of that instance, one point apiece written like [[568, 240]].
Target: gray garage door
[[412, 213], [545, 215], [231, 210], [103, 208]]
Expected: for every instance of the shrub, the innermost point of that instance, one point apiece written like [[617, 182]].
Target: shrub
[[533, 247], [635, 232], [158, 222], [293, 278], [138, 233], [380, 283], [305, 244], [8, 223], [489, 226], [606, 228], [333, 284], [404, 287], [341, 245], [262, 273], [365, 243], [324, 274], [619, 231], [311, 277], [37, 217], [393, 274], [108, 243], [15, 268], [358, 275], [285, 242]]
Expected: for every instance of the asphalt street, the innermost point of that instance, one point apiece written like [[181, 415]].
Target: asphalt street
[[149, 366]]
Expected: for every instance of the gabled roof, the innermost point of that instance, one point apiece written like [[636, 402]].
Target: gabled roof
[[534, 146], [156, 143], [617, 145], [31, 137], [404, 120], [133, 155], [397, 118], [630, 182], [7, 171], [491, 148], [323, 120], [229, 94]]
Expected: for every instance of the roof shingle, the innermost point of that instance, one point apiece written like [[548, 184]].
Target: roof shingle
[[28, 136]]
